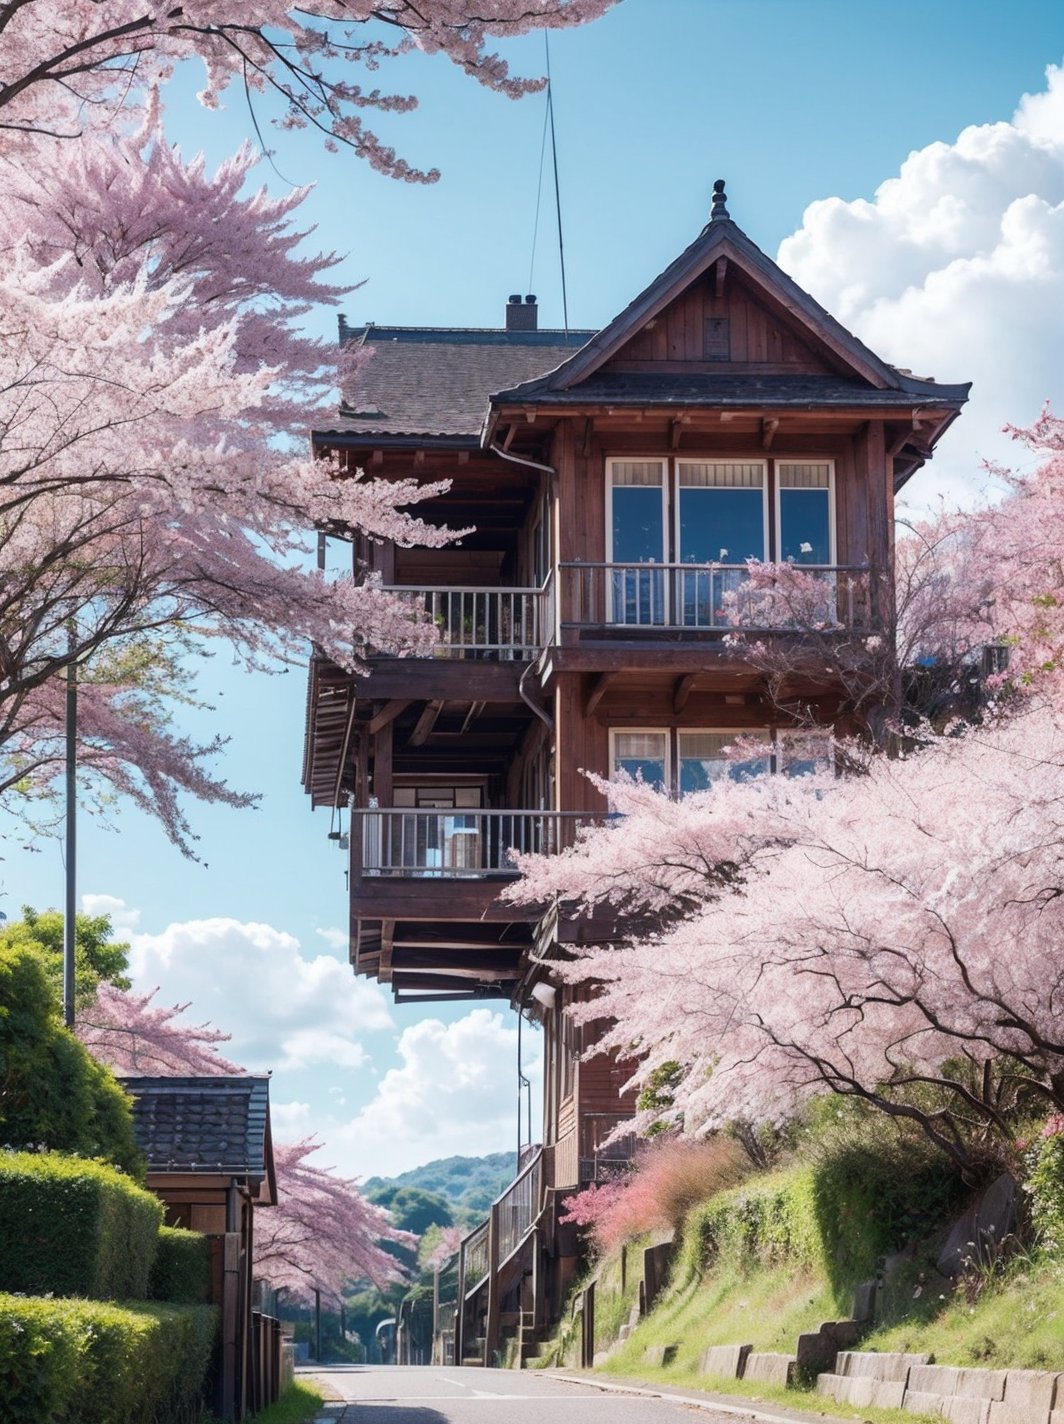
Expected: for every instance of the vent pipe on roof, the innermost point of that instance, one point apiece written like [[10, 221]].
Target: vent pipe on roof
[[522, 315]]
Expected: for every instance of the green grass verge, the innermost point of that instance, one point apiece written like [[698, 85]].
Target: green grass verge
[[767, 1308], [299, 1403]]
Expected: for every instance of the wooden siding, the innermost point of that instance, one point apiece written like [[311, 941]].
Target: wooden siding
[[759, 340]]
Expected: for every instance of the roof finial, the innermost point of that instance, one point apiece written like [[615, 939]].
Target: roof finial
[[720, 200]]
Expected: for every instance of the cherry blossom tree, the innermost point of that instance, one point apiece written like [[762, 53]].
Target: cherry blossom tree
[[894, 936], [133, 1034], [154, 488], [69, 63], [323, 1233], [155, 391]]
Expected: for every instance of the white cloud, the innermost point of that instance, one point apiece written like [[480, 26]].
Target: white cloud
[[956, 270], [291, 1121], [123, 917], [455, 1092], [335, 939], [284, 1009]]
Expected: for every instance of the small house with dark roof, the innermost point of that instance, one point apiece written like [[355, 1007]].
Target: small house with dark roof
[[209, 1153], [620, 484]]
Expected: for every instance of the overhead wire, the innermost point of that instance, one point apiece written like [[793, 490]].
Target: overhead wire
[[548, 124]]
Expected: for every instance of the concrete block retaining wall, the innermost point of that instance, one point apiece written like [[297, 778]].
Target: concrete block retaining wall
[[963, 1396]]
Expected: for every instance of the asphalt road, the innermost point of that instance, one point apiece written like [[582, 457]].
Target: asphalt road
[[427, 1395]]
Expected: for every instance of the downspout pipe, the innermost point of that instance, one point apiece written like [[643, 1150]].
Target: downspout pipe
[[496, 449]]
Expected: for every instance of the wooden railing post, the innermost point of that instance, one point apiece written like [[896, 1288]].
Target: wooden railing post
[[491, 1330]]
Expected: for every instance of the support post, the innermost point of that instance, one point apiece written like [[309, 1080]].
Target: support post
[[491, 1328], [317, 1325]]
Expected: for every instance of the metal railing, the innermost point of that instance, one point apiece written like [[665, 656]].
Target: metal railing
[[474, 1259], [491, 623], [516, 1210], [715, 597], [458, 844]]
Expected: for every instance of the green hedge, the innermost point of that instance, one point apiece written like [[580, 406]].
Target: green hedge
[[74, 1227], [181, 1271], [89, 1362], [52, 1091]]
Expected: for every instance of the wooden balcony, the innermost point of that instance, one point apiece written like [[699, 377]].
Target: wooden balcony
[[400, 843], [481, 623], [644, 600]]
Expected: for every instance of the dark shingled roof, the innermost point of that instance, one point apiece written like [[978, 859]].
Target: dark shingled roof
[[678, 389], [436, 380], [204, 1124]]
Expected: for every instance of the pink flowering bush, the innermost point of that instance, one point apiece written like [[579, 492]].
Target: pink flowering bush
[[667, 1181]]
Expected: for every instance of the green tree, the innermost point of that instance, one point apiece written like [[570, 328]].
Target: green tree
[[97, 957], [53, 1094]]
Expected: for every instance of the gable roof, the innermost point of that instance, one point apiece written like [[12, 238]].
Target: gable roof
[[856, 363], [211, 1125], [435, 381]]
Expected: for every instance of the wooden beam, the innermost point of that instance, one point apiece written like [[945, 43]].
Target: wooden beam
[[377, 458], [425, 723], [589, 430], [419, 457], [719, 275], [682, 692], [508, 439], [463, 457], [384, 965], [675, 431], [768, 431], [387, 714], [599, 691]]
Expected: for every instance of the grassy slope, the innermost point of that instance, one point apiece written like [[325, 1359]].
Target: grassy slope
[[766, 1298]]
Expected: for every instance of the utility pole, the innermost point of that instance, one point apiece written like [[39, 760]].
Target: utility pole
[[70, 913]]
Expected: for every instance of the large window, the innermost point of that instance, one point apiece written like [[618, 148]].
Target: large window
[[637, 503], [681, 531], [685, 760]]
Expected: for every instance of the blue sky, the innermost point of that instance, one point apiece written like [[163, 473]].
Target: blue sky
[[955, 267]]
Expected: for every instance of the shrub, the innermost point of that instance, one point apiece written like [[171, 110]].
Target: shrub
[[52, 1092], [862, 1191], [181, 1271], [1045, 1183], [74, 1227], [668, 1180], [88, 1362]]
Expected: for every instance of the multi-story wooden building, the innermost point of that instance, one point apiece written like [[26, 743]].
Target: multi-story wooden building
[[618, 481]]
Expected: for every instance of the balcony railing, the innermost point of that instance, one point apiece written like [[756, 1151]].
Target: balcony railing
[[715, 597], [495, 623], [458, 844]]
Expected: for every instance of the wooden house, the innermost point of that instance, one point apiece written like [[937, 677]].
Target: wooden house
[[618, 482], [209, 1153]]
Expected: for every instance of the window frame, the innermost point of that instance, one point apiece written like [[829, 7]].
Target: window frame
[[676, 461], [829, 461], [673, 759]]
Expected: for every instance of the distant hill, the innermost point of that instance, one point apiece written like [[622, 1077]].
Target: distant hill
[[468, 1184]]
